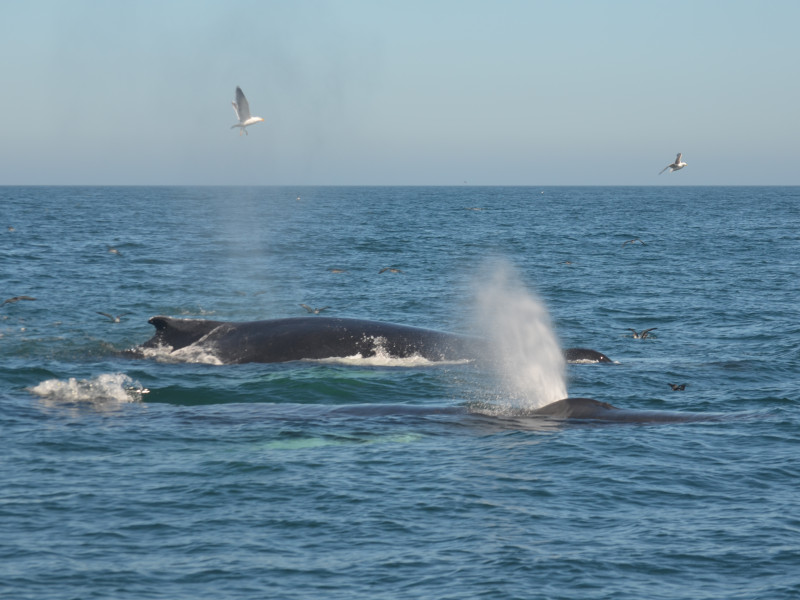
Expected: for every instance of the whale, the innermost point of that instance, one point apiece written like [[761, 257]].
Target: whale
[[304, 338], [565, 412], [568, 409], [314, 338], [299, 338], [589, 409], [585, 355]]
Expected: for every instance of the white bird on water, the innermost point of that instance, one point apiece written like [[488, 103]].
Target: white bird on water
[[676, 166], [242, 110]]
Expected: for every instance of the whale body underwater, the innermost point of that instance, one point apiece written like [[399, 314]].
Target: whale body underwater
[[299, 338]]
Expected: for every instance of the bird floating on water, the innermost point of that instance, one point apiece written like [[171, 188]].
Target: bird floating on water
[[315, 311], [676, 166], [242, 110], [112, 318], [643, 335], [677, 387], [390, 269]]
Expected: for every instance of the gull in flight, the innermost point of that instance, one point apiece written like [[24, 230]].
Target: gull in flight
[[17, 299], [676, 166], [643, 335], [315, 311], [242, 110], [633, 241]]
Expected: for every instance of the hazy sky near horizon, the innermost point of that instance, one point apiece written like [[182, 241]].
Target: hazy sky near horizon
[[400, 92]]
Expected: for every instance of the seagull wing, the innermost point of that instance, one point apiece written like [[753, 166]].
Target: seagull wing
[[664, 169], [241, 106], [106, 315], [678, 158], [307, 307]]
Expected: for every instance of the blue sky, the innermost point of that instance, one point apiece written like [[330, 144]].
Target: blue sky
[[400, 92]]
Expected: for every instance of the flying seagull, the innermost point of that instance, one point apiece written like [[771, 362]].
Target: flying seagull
[[676, 387], [676, 166], [242, 110], [633, 241], [315, 311], [17, 299], [643, 335]]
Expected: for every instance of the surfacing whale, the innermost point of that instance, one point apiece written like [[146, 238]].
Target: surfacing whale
[[581, 355], [298, 338], [568, 410], [594, 410]]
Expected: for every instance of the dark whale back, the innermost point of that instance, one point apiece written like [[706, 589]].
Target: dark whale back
[[590, 409], [179, 333], [281, 340], [585, 354]]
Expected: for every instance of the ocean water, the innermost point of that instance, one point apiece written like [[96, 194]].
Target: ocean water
[[157, 478]]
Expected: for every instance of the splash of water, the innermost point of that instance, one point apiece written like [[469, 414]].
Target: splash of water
[[106, 391], [525, 353]]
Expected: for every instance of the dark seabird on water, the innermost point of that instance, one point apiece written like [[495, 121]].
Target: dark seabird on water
[[390, 269], [633, 241], [643, 335], [17, 299], [112, 318], [677, 387], [315, 311]]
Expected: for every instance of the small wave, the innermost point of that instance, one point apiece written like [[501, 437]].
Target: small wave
[[384, 359], [108, 389], [195, 353]]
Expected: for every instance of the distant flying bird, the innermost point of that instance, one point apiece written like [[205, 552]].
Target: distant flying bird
[[677, 388], [242, 110], [633, 241], [112, 318], [676, 166], [643, 335], [17, 299], [315, 311]]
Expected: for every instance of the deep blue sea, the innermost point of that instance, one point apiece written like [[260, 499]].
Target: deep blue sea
[[158, 478]]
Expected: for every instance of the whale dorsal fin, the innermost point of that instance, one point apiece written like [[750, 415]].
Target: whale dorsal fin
[[178, 333]]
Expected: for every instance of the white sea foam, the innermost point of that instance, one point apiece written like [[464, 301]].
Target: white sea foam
[[195, 353], [525, 352], [382, 358], [104, 391]]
